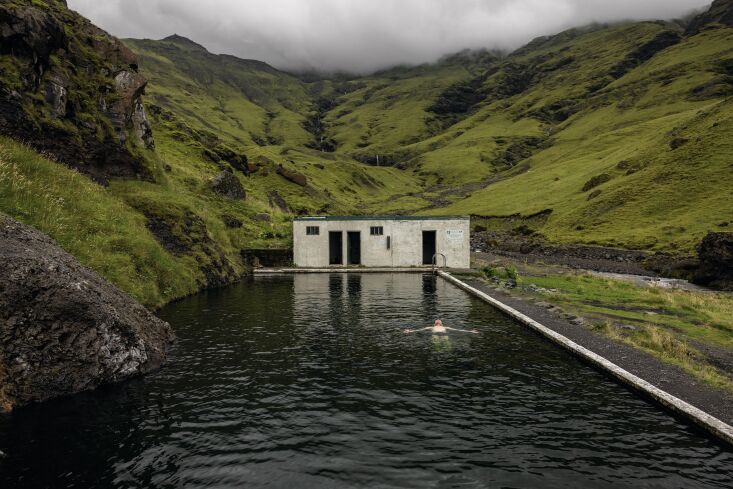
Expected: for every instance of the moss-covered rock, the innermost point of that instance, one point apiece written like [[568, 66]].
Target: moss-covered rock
[[292, 176], [596, 181], [72, 91], [183, 233], [228, 185]]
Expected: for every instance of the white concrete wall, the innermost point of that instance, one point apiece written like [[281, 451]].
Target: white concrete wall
[[452, 239]]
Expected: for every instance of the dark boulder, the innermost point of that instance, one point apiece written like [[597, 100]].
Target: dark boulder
[[173, 234], [222, 153], [292, 176], [228, 185], [678, 143], [231, 221], [715, 253], [596, 181], [276, 200], [63, 328]]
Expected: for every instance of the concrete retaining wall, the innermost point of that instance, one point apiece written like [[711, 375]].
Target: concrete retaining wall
[[281, 257]]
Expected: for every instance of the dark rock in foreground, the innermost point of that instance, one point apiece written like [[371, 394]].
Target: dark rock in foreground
[[63, 328], [716, 261]]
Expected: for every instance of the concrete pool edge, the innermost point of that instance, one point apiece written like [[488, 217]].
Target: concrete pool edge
[[709, 423]]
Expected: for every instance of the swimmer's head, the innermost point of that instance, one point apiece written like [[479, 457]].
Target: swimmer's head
[[438, 322]]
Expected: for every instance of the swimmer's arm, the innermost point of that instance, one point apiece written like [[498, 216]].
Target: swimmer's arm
[[473, 331], [417, 330]]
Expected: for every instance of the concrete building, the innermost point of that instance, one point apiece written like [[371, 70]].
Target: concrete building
[[381, 241]]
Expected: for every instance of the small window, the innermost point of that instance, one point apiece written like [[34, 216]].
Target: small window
[[376, 231], [312, 230]]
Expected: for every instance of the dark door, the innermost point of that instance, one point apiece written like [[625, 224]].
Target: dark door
[[336, 248], [353, 247], [428, 247]]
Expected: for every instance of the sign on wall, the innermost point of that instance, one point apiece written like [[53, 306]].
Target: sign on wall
[[454, 234]]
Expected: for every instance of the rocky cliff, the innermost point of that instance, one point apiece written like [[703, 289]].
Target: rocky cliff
[[720, 12], [64, 329], [72, 90]]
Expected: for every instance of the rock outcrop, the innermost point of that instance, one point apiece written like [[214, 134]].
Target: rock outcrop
[[72, 90], [228, 185], [292, 176], [128, 112], [715, 253], [231, 222], [184, 233], [63, 328], [276, 200], [223, 155], [720, 12]]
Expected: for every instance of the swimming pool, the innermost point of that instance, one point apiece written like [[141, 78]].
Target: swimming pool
[[307, 380]]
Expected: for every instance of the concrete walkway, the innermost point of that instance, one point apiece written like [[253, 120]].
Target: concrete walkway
[[668, 385]]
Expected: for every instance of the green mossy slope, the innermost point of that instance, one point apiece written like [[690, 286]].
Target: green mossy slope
[[658, 136], [90, 223], [622, 131]]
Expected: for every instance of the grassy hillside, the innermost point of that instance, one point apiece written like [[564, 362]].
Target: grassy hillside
[[100, 230], [618, 130], [211, 101], [643, 162], [620, 134]]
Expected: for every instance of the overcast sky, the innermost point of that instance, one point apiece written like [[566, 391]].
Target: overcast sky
[[361, 35]]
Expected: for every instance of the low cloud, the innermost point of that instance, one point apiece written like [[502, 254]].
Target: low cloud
[[362, 35]]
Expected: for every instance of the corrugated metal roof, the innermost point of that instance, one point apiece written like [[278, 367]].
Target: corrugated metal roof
[[381, 218]]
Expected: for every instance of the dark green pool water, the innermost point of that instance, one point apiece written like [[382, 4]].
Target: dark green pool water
[[307, 381]]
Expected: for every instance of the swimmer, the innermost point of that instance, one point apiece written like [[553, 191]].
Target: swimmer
[[438, 328]]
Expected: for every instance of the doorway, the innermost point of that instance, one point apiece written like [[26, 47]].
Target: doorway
[[353, 247], [428, 247], [335, 248]]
